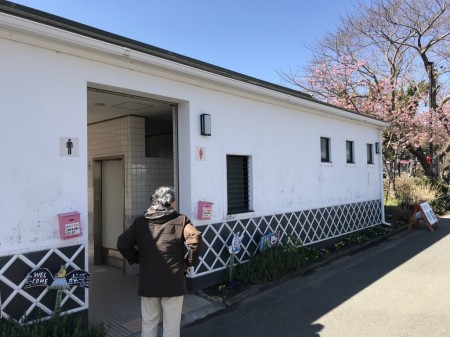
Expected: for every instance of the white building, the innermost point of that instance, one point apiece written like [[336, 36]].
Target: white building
[[92, 123]]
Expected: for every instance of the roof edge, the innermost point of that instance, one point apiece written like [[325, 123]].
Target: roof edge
[[55, 21], [102, 35]]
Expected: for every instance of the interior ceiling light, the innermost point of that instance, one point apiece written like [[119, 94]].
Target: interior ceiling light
[[132, 106]]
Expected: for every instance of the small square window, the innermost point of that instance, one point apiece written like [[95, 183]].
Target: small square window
[[369, 153], [350, 152], [325, 150]]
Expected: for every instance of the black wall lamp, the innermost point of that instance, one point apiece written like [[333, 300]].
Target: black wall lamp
[[377, 147], [205, 124]]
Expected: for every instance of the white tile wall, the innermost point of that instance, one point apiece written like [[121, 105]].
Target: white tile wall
[[125, 137]]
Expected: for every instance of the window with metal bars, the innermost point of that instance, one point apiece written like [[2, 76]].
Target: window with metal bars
[[238, 184]]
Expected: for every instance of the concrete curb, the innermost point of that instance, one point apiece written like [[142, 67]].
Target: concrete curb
[[198, 314]]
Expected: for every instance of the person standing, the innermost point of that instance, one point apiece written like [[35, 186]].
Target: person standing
[[157, 242], [412, 167]]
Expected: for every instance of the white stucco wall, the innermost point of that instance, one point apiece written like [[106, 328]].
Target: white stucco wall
[[287, 174], [40, 103], [44, 90]]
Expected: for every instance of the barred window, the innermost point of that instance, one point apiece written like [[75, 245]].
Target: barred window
[[238, 193]]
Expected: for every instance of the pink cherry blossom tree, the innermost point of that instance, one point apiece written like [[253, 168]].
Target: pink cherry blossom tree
[[390, 59]]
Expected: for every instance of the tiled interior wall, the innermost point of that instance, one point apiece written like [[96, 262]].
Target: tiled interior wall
[[125, 137]]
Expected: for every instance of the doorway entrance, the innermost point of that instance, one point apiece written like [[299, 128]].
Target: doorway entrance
[[132, 150], [109, 207]]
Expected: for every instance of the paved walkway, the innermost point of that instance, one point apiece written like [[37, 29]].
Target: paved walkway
[[398, 287], [113, 300]]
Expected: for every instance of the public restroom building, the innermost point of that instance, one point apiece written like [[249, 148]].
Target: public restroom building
[[91, 123]]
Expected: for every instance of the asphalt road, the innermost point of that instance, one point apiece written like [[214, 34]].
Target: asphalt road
[[398, 288]]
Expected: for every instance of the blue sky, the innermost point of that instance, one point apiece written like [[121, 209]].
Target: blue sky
[[253, 37]]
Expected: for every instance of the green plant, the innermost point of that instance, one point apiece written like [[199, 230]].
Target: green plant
[[356, 238], [232, 261], [402, 213], [290, 255], [376, 231], [391, 202], [340, 245], [413, 190], [324, 251], [441, 205], [276, 261], [56, 326]]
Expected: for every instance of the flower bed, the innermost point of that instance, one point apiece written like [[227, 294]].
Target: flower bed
[[290, 259]]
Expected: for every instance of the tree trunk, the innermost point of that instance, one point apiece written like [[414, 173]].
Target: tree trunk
[[420, 155], [390, 170]]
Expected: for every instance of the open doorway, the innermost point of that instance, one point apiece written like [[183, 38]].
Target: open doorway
[[109, 210], [132, 150]]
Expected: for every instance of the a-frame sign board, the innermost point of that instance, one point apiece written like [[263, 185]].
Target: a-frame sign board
[[423, 211]]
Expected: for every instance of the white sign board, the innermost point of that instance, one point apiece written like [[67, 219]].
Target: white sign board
[[428, 213], [68, 147]]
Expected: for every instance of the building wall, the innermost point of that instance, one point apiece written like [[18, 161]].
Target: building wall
[[46, 73], [40, 104], [287, 173], [284, 145], [38, 183]]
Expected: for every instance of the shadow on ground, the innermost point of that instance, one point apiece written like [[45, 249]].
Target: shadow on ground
[[305, 299]]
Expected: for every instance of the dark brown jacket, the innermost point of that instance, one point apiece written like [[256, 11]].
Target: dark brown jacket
[[158, 245]]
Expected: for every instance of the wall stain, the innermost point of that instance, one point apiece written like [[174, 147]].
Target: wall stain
[[15, 236]]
